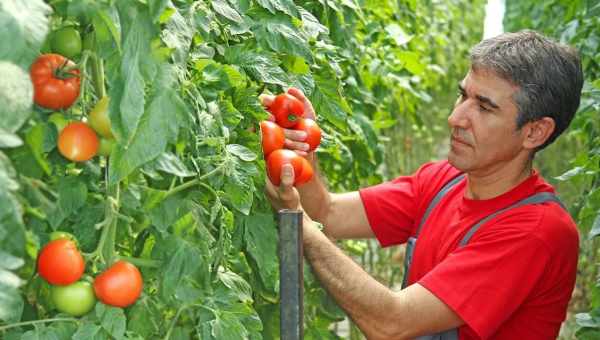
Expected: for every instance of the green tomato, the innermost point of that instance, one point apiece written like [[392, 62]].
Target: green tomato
[[106, 146], [75, 299], [99, 120], [59, 121], [66, 41]]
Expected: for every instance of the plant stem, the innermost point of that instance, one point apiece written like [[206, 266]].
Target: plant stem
[[141, 262], [33, 322], [174, 321], [193, 182]]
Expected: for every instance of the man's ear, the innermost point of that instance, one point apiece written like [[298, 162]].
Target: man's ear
[[538, 132]]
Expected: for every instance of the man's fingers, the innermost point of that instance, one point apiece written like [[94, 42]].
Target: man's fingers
[[266, 100], [309, 111], [287, 180], [295, 135], [296, 146]]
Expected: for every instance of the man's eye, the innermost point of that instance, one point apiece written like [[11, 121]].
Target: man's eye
[[483, 108]]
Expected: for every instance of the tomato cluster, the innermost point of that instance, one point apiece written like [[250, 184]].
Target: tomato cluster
[[288, 112], [57, 84], [60, 263]]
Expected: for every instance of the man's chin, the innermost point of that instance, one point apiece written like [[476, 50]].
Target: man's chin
[[458, 162]]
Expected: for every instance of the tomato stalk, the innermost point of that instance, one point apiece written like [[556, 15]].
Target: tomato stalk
[[105, 250], [34, 322]]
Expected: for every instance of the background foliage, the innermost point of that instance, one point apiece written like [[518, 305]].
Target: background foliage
[[181, 195], [574, 160]]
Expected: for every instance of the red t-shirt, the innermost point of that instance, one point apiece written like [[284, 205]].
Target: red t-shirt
[[514, 278]]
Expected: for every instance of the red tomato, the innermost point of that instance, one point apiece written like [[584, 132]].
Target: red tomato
[[306, 174], [283, 156], [313, 132], [50, 90], [120, 285], [272, 137], [78, 142], [60, 263], [287, 110]]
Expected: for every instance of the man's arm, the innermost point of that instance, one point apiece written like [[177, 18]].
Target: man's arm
[[379, 312]]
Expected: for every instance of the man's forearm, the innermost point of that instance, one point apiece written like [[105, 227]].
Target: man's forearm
[[314, 196], [369, 303]]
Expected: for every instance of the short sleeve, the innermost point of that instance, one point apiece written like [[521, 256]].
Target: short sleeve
[[485, 281], [394, 207]]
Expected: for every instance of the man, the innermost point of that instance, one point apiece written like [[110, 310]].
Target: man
[[484, 266]]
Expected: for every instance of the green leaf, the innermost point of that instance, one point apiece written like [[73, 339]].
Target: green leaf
[[261, 66], [155, 130], [311, 25], [237, 285], [280, 35], [412, 61], [228, 326], [26, 33], [241, 151], [41, 139], [261, 243], [12, 232], [595, 231], [571, 173], [88, 331], [144, 318], [11, 303], [398, 34], [171, 164], [112, 319], [286, 6], [16, 98], [9, 140], [223, 8], [72, 194]]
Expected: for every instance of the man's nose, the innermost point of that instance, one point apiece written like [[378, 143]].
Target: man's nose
[[459, 116]]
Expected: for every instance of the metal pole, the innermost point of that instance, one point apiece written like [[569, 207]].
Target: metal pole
[[291, 276]]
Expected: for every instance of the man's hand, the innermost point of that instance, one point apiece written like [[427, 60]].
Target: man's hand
[[285, 196], [294, 139]]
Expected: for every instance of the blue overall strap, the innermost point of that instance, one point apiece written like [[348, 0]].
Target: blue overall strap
[[451, 334], [410, 244], [533, 199]]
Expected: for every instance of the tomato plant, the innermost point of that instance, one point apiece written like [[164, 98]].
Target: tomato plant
[[66, 41], [287, 110], [57, 235], [99, 120], [60, 262], [78, 142], [302, 168], [272, 137], [59, 120], [313, 132], [120, 285], [75, 299], [54, 88]]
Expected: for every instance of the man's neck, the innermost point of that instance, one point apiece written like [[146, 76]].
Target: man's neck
[[495, 182]]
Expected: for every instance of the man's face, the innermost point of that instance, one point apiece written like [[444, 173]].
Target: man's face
[[484, 134]]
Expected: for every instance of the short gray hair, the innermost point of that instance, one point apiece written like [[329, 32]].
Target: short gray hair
[[548, 74]]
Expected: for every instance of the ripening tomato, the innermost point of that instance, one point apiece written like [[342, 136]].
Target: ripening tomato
[[306, 174], [54, 88], [75, 299], [120, 285], [60, 262], [98, 118], [276, 160], [287, 110], [78, 142], [313, 132], [272, 137]]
